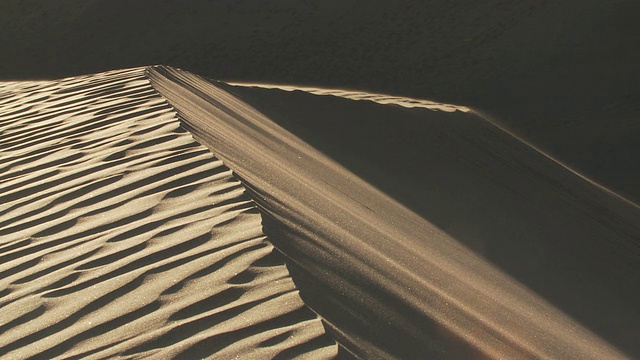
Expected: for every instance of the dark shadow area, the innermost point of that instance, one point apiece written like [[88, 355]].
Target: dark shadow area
[[562, 74], [555, 233], [448, 50], [567, 241]]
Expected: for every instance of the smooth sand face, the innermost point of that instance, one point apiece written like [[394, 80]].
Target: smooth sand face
[[391, 283], [122, 236]]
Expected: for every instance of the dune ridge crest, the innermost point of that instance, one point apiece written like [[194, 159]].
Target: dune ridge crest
[[426, 104], [388, 282], [360, 95], [124, 233], [121, 236]]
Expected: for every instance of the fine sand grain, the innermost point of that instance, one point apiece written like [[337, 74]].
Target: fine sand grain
[[392, 283], [121, 236], [123, 233]]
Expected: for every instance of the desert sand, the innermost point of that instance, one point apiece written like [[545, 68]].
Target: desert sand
[[561, 74], [375, 268], [397, 179], [121, 236], [151, 212]]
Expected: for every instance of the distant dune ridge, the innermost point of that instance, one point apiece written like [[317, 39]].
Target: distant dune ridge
[[359, 95], [121, 235]]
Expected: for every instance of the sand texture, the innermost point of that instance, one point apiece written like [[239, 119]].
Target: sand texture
[[151, 212], [563, 75], [122, 237], [441, 179], [394, 283]]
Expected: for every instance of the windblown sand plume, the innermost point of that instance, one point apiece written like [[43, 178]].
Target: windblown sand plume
[[122, 236]]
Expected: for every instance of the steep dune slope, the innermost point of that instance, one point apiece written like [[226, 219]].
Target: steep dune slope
[[561, 235], [122, 236], [390, 282]]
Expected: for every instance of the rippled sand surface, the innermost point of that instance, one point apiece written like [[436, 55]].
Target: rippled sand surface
[[121, 236]]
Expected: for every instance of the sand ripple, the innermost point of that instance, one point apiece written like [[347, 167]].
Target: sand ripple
[[122, 236]]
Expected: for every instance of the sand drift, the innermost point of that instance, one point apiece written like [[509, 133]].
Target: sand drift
[[145, 212]]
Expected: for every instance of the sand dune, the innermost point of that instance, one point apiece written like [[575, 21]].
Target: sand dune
[[392, 283], [120, 236], [563, 75], [359, 95]]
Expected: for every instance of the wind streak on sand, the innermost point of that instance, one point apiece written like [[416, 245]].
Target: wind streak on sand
[[388, 282], [121, 236]]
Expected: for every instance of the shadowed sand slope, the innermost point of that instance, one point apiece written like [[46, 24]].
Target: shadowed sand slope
[[393, 283], [120, 236], [568, 239]]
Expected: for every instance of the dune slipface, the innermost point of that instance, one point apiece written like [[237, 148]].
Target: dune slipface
[[120, 235], [394, 284]]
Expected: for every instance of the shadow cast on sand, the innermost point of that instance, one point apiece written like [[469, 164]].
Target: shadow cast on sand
[[370, 260], [123, 235]]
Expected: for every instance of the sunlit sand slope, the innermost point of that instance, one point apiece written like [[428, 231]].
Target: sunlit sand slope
[[391, 283], [120, 236]]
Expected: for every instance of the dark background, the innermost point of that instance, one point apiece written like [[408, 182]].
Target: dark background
[[563, 74]]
